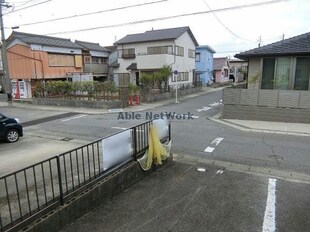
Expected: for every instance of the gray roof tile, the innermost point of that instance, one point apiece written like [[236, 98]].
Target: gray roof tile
[[91, 46], [43, 40], [156, 35], [298, 45]]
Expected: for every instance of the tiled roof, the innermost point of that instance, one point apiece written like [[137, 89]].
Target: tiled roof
[[157, 35], [298, 45], [91, 46], [43, 40], [218, 63]]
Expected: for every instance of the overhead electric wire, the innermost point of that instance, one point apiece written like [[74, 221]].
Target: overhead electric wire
[[169, 17], [23, 3], [26, 7], [221, 22], [91, 13]]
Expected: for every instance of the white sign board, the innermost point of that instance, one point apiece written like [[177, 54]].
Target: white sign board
[[117, 149], [162, 127]]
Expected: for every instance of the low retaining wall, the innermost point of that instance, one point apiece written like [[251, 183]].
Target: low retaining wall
[[267, 105], [165, 96], [91, 198], [78, 103]]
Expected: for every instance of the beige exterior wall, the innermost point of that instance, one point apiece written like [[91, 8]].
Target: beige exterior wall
[[255, 73]]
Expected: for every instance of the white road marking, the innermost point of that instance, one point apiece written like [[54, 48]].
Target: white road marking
[[270, 211], [119, 128], [219, 172], [205, 108], [195, 116], [216, 142], [80, 116], [215, 104], [209, 149]]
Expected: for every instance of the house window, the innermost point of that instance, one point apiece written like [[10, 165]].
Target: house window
[[179, 51], [302, 73], [98, 60], [276, 73], [197, 57], [160, 50], [87, 60], [268, 73], [126, 53], [58, 60], [191, 53], [182, 76]]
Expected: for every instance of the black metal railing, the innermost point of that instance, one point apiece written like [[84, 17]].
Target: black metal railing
[[31, 192]]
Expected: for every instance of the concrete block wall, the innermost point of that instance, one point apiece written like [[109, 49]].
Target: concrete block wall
[[78, 103], [267, 105]]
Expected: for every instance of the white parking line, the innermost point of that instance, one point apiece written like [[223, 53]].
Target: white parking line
[[270, 211], [80, 116], [216, 141]]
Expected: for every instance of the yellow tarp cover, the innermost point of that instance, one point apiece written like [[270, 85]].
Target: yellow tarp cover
[[156, 152]]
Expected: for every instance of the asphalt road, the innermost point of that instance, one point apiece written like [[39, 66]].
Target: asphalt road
[[195, 136], [50, 132]]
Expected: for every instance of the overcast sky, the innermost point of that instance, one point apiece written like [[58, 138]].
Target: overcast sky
[[228, 31]]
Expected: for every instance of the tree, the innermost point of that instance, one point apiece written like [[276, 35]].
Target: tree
[[165, 73]]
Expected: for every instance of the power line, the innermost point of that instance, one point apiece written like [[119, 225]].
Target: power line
[[221, 22], [26, 7], [92, 13], [170, 17], [23, 3]]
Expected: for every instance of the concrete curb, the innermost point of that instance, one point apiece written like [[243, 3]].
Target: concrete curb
[[289, 176], [248, 129]]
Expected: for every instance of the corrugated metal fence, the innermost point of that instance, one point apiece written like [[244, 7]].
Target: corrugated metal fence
[[267, 105]]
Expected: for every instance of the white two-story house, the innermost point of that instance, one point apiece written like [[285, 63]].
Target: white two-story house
[[151, 50]]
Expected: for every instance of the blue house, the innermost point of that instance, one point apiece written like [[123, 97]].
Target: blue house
[[204, 64]]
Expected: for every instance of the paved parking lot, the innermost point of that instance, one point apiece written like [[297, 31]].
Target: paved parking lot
[[181, 198]]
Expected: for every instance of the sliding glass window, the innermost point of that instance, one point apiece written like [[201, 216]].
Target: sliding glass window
[[302, 74]]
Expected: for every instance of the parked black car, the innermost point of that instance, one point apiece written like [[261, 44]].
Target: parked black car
[[10, 129]]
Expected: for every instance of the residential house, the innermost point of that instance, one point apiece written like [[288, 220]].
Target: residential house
[[221, 70], [151, 50], [35, 58], [95, 60], [204, 64], [238, 69], [281, 65]]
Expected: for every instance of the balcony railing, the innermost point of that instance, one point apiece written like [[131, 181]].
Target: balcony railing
[[96, 68], [129, 56]]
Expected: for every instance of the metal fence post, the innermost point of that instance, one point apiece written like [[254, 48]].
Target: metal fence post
[[60, 181], [169, 130], [134, 140]]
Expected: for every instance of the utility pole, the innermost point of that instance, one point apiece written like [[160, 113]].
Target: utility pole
[[6, 75]]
